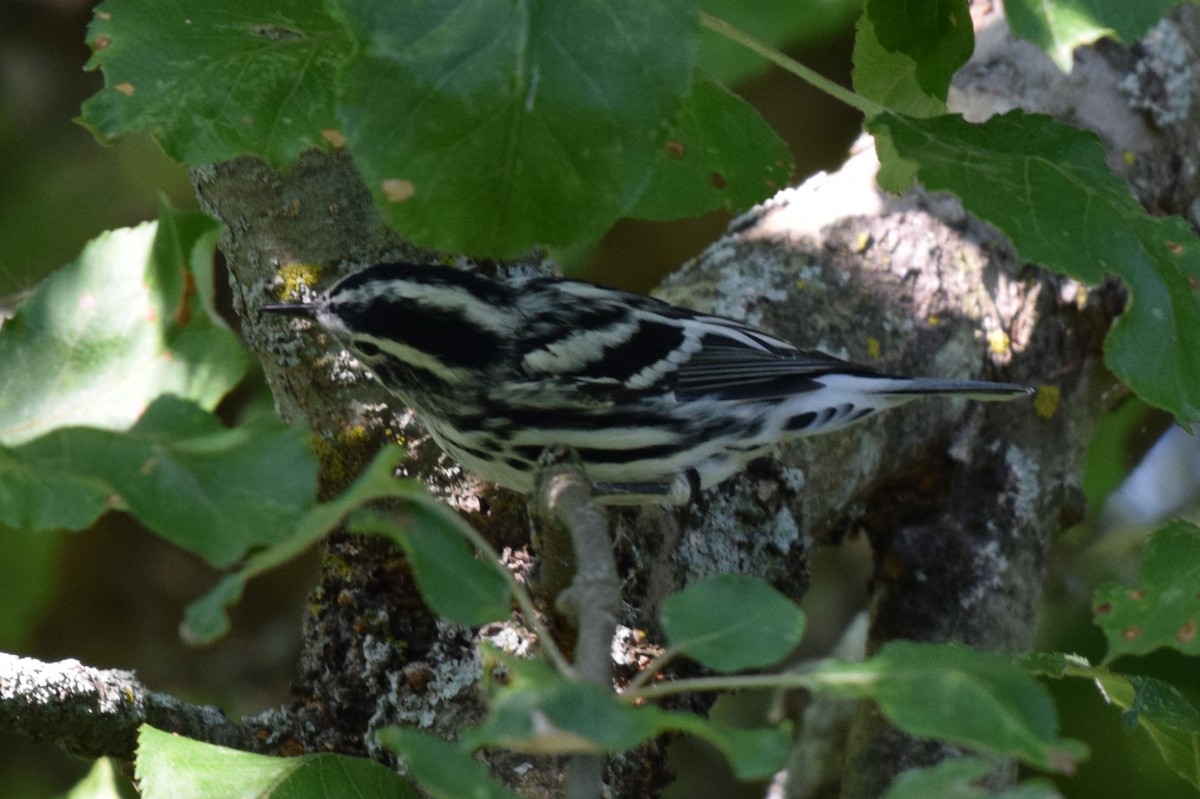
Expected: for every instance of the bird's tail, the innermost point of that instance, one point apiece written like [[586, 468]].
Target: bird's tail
[[971, 389]]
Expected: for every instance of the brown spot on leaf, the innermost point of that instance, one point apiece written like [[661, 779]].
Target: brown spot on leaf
[[717, 180], [675, 149], [101, 42], [1187, 633], [334, 137], [1103, 608], [1137, 595], [125, 89], [397, 190], [1131, 632]]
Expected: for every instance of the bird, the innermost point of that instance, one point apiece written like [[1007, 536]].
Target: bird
[[657, 402]]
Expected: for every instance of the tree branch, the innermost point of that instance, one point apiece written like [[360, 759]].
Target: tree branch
[[93, 712]]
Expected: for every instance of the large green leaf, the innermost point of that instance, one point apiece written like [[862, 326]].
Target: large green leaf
[[1163, 608], [173, 767], [1059, 26], [488, 128], [719, 154], [215, 79], [732, 621], [1048, 187], [103, 336], [215, 491], [957, 694]]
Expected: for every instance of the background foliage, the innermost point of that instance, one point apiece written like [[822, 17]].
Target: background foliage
[[466, 169]]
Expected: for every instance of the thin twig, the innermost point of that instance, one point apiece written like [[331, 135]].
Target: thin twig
[[717, 25], [594, 598]]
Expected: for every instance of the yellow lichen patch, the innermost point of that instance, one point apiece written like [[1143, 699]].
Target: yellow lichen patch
[[1045, 402], [999, 342], [297, 276], [862, 241], [934, 320], [353, 434], [873, 348], [332, 458]]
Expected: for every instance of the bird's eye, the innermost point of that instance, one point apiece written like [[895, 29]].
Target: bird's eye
[[366, 348]]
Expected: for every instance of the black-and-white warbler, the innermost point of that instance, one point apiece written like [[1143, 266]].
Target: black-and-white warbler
[[658, 401]]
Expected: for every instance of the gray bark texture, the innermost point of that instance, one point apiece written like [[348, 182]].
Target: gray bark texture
[[959, 500]]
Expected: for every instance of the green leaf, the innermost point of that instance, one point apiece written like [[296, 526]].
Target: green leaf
[[541, 712], [454, 583], [960, 695], [547, 714], [1059, 27], [889, 77], [719, 153], [488, 128], [173, 767], [205, 619], [1163, 608], [936, 36], [102, 337], [955, 779], [754, 753], [445, 770], [1048, 187], [1109, 458], [1156, 706], [215, 491], [731, 621], [1171, 722], [215, 79], [101, 782], [27, 572]]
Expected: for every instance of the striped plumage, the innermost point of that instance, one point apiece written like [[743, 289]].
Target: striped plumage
[[658, 401]]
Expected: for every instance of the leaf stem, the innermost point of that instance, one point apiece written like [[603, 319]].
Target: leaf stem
[[532, 620], [814, 679], [869, 108]]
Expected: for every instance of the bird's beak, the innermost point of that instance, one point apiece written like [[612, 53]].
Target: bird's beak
[[303, 309]]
